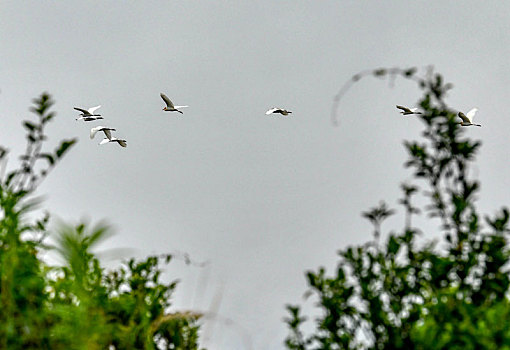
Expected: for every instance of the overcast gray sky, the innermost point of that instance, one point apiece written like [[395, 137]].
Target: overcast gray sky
[[263, 198]]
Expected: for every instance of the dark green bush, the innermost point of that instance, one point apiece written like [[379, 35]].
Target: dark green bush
[[402, 292], [79, 305]]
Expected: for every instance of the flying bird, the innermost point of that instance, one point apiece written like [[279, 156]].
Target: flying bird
[[467, 119], [278, 110], [88, 114], [407, 111], [169, 105], [107, 131], [123, 143]]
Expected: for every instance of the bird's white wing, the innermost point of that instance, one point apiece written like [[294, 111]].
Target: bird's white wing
[[104, 141], [94, 131], [405, 109], [181, 106], [470, 115], [414, 110], [107, 133], [91, 110], [165, 98], [464, 118], [84, 111], [272, 110]]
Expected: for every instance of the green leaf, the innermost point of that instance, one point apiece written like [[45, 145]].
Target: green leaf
[[411, 71], [393, 245], [11, 176], [64, 146], [48, 157], [30, 126], [380, 72], [48, 117], [3, 152]]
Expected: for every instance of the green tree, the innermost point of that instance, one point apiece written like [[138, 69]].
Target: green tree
[[402, 292], [79, 305]]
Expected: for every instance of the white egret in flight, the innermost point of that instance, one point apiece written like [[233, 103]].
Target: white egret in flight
[[278, 110], [407, 111], [88, 114], [169, 105], [467, 119], [123, 143], [106, 130]]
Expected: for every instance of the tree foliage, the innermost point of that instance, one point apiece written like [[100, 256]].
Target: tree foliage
[[402, 292], [80, 305]]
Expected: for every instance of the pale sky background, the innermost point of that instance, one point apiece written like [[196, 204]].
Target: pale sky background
[[262, 198]]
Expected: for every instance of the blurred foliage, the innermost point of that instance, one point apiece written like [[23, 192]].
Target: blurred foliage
[[402, 292], [79, 305]]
